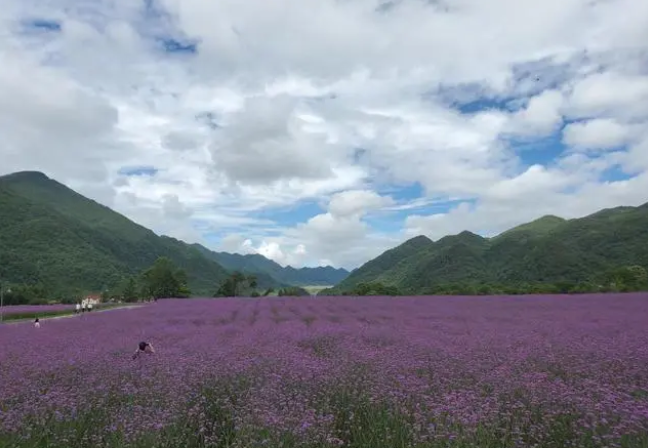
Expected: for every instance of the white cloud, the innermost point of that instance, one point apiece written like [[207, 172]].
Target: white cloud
[[290, 102], [491, 217], [266, 142], [600, 133], [540, 117], [571, 189], [339, 235], [354, 203], [609, 94]]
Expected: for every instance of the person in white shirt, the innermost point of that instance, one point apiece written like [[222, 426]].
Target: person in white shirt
[[78, 308], [89, 307], [37, 323]]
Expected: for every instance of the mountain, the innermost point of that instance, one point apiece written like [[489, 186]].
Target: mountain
[[550, 249], [264, 280], [371, 270], [540, 226], [260, 265], [53, 235]]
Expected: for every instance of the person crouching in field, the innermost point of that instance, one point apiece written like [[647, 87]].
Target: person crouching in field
[[37, 323], [144, 347]]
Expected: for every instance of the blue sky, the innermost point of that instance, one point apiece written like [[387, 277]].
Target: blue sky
[[43, 24], [138, 171], [239, 125]]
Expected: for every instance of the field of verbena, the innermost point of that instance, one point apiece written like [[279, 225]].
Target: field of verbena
[[21, 309], [29, 312], [370, 372]]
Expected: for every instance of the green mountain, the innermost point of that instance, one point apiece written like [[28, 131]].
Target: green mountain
[[540, 226], [264, 280], [260, 265], [548, 250], [392, 258], [51, 235]]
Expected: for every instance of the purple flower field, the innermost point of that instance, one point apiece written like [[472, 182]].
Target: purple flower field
[[371, 372], [16, 309]]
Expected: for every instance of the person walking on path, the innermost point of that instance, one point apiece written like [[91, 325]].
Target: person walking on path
[[36, 323], [78, 308]]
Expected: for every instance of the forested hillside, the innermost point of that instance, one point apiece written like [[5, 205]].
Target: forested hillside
[[56, 238], [608, 249]]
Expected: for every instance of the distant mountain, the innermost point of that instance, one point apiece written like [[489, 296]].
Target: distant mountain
[[286, 276], [373, 269], [53, 235], [550, 249]]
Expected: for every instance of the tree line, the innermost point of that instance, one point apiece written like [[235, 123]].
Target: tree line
[[622, 279], [164, 280], [161, 280]]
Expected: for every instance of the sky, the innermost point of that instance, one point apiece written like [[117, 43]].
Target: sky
[[325, 132]]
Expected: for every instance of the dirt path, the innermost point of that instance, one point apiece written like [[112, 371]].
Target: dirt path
[[22, 321]]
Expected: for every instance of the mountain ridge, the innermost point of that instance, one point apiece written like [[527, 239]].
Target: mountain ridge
[[51, 234], [288, 275], [548, 249], [106, 246]]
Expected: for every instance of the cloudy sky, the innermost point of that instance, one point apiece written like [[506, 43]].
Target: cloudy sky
[[326, 131]]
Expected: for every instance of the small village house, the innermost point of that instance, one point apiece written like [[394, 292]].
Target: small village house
[[91, 299]]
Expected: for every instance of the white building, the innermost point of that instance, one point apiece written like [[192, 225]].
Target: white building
[[91, 300]]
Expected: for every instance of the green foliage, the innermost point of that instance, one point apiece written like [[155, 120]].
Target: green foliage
[[293, 291], [606, 251], [23, 294], [374, 268], [374, 289], [236, 284], [54, 238], [163, 280], [129, 293], [626, 278]]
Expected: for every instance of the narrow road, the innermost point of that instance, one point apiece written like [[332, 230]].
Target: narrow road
[[22, 321]]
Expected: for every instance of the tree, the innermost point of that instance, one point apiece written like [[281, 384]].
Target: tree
[[626, 278], [163, 280], [130, 291], [236, 284], [374, 289], [638, 276]]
